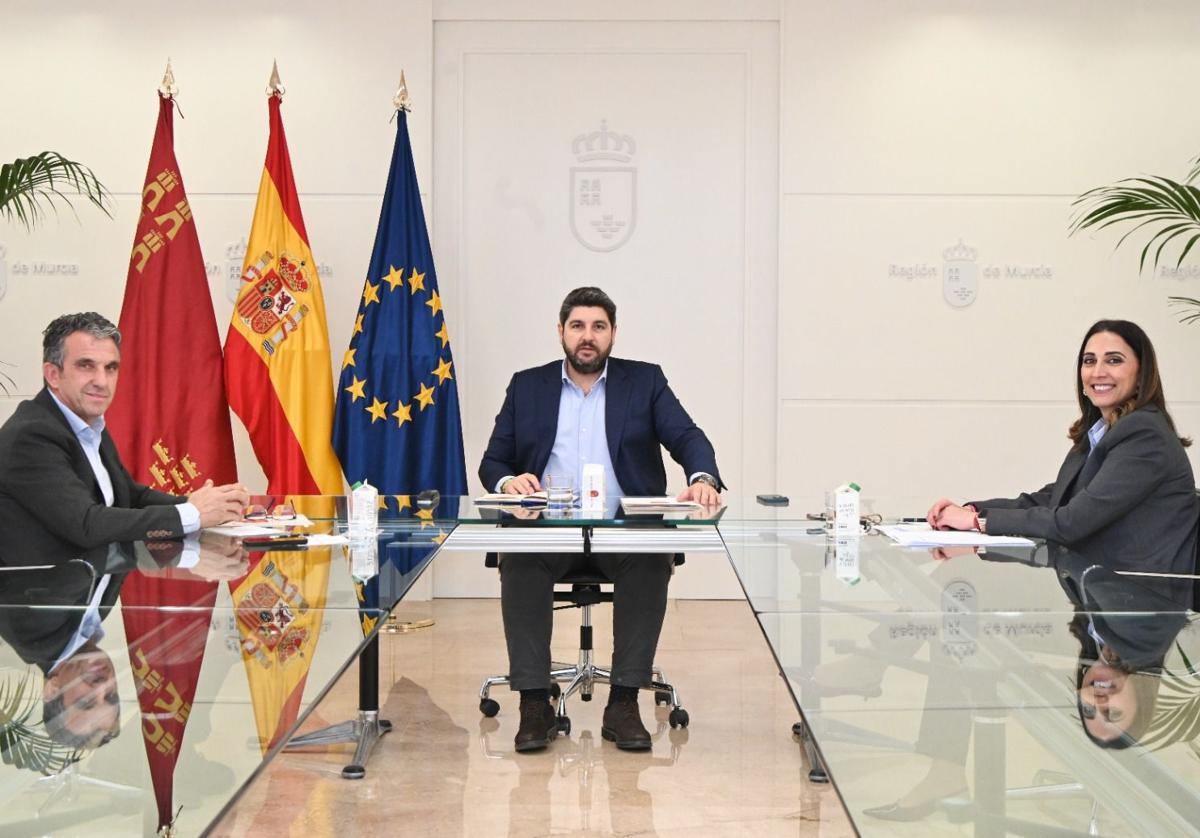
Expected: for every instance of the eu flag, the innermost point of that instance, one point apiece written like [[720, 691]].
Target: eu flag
[[397, 423]]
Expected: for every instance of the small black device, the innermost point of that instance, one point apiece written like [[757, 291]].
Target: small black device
[[274, 542], [773, 500], [428, 499]]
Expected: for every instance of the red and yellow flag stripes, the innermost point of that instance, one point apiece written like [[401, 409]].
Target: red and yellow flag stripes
[[277, 366]]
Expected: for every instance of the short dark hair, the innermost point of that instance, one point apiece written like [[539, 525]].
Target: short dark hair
[[55, 721], [55, 335], [1149, 385], [587, 296]]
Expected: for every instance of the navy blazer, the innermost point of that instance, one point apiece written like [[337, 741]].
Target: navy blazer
[[640, 415], [51, 507], [1132, 501]]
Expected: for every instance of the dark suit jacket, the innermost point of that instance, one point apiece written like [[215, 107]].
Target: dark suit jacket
[[1132, 502], [51, 507], [640, 415], [44, 607]]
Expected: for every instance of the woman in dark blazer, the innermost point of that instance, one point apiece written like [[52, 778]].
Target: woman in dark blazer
[[1126, 489]]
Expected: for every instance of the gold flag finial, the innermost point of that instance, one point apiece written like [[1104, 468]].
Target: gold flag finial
[[274, 86], [401, 99], [168, 88]]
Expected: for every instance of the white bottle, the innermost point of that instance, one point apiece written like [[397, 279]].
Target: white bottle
[[364, 510], [591, 493], [846, 521], [364, 559]]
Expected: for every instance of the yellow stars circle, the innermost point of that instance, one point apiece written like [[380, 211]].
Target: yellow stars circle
[[443, 371], [378, 410], [394, 278], [348, 358], [356, 388], [416, 281], [403, 413], [370, 294], [443, 335], [434, 302], [358, 325], [425, 397]]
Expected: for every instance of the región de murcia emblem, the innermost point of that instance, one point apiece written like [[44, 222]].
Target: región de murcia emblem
[[270, 307], [603, 195]]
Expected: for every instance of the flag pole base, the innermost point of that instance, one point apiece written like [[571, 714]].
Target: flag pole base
[[365, 731], [395, 626]]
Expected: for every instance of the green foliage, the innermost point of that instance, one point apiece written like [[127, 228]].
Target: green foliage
[[31, 185], [1166, 210], [22, 744]]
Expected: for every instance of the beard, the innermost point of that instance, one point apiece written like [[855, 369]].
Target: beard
[[587, 367]]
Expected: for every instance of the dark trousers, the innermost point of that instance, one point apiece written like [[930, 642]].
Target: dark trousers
[[527, 603]]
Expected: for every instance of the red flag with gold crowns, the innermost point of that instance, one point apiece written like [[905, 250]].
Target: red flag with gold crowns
[[171, 424]]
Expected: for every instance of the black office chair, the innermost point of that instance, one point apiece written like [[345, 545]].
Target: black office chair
[[582, 677]]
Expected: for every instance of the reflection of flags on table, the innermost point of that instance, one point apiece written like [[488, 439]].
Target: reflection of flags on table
[[171, 424], [279, 606], [397, 420], [277, 367]]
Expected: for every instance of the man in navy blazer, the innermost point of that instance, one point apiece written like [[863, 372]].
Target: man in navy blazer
[[590, 409]]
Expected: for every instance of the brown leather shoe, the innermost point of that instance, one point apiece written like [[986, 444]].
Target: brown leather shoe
[[623, 725], [539, 725]]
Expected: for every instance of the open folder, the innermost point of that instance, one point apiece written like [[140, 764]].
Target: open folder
[[505, 499]]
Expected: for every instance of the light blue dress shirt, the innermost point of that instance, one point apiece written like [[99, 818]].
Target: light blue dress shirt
[[582, 437], [89, 437], [1096, 433]]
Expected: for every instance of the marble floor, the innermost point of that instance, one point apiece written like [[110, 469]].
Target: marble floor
[[445, 770]]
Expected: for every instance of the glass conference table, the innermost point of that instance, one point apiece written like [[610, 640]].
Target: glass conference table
[[946, 687]]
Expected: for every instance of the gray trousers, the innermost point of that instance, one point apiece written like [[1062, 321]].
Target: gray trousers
[[527, 602]]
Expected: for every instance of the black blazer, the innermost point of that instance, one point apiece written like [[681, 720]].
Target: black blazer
[[640, 415], [1133, 501], [51, 507]]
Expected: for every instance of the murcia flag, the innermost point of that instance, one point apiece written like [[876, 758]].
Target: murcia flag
[[171, 424], [277, 368]]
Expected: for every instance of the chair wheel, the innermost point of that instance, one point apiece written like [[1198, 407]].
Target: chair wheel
[[585, 696], [662, 697], [678, 717], [555, 691], [489, 707], [564, 725]]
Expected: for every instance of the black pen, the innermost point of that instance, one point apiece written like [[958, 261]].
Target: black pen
[[921, 520]]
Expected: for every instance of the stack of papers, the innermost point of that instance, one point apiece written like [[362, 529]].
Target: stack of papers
[[920, 535], [505, 499], [663, 504]]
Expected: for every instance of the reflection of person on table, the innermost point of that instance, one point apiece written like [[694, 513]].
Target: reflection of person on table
[[590, 409], [62, 485], [1126, 486], [59, 632]]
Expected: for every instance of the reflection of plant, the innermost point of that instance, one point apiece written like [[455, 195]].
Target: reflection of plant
[[1166, 209], [30, 185], [22, 745], [1177, 713]]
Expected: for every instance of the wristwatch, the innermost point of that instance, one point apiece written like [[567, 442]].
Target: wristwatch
[[706, 478]]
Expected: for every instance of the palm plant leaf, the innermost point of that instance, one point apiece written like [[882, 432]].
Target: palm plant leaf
[[1172, 208], [30, 185], [22, 745]]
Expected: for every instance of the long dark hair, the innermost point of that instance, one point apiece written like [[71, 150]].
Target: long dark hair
[[1149, 388]]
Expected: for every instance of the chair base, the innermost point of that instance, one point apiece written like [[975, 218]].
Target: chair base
[[581, 679]]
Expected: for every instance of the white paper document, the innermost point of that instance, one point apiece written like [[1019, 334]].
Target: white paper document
[[240, 529], [505, 499], [663, 504], [920, 535]]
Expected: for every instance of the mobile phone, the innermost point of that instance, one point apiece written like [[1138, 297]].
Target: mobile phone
[[773, 500], [274, 542]]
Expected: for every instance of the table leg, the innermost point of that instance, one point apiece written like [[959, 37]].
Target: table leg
[[365, 730]]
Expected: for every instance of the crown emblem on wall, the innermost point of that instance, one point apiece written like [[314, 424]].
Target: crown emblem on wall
[[604, 145], [960, 253]]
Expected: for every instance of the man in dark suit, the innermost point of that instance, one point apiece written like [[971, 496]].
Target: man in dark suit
[[63, 488], [590, 409]]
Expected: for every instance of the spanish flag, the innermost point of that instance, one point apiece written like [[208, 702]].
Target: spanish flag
[[277, 367]]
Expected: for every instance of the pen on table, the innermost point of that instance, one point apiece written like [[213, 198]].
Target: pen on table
[[914, 520]]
